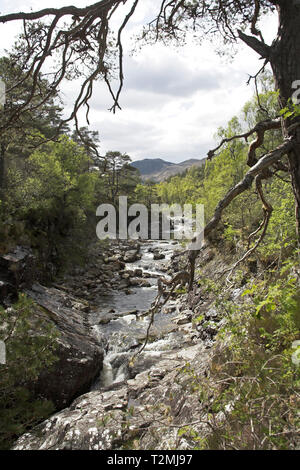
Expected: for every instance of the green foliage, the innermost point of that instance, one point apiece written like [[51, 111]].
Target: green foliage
[[55, 197], [281, 238], [49, 190], [230, 234], [276, 308], [30, 347], [147, 193], [253, 383], [292, 110], [119, 178], [57, 175]]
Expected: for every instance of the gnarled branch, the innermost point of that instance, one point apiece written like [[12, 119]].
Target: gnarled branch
[[258, 46], [267, 210], [263, 164], [259, 129]]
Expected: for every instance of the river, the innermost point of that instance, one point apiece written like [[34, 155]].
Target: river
[[126, 331]]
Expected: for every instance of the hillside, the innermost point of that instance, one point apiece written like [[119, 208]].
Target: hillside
[[158, 170]]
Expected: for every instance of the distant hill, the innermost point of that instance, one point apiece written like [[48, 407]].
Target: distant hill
[[148, 166], [157, 170]]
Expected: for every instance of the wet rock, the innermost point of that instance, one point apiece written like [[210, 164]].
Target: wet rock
[[169, 309], [157, 255], [105, 319], [139, 282], [144, 362], [124, 283], [131, 312], [130, 245], [131, 256], [125, 276], [138, 272], [164, 269], [118, 265], [114, 258], [147, 275], [112, 315]]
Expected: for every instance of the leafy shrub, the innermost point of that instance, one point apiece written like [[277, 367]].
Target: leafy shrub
[[254, 383], [30, 345]]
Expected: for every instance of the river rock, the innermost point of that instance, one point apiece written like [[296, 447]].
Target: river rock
[[139, 282], [124, 283], [141, 410], [125, 276], [182, 320], [80, 355], [157, 255], [130, 312], [138, 272], [212, 314], [163, 269], [130, 256]]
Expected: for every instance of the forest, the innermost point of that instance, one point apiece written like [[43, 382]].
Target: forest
[[144, 344]]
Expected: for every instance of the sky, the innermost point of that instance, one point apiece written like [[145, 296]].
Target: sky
[[173, 100]]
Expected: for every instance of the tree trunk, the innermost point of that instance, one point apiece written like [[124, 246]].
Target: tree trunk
[[285, 62]]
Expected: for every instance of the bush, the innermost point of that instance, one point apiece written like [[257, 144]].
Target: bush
[[30, 345], [251, 392]]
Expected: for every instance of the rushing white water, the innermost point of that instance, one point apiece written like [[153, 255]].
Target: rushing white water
[[124, 333]]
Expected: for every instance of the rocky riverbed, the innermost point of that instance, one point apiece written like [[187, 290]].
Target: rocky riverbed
[[132, 400]]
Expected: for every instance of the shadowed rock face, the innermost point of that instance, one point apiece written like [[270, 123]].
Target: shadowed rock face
[[17, 269], [141, 402], [80, 356]]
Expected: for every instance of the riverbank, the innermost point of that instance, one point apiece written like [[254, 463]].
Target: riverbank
[[132, 399]]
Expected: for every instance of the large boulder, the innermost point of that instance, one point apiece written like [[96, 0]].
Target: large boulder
[[80, 354]]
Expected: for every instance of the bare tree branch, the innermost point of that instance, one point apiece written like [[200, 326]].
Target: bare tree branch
[[258, 46], [259, 129], [267, 209], [263, 164], [70, 10], [81, 42]]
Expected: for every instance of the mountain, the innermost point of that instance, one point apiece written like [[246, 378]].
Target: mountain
[[150, 166], [157, 170]]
